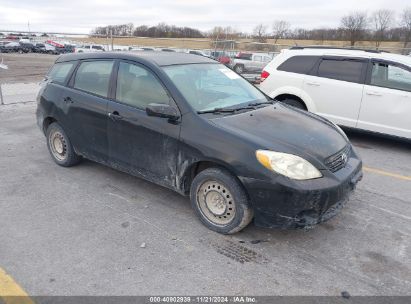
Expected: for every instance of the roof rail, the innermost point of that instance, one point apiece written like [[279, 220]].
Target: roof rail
[[335, 48]]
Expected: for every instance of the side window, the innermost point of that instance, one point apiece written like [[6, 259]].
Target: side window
[[346, 70], [390, 76], [258, 58], [298, 64], [138, 87], [94, 77], [60, 71]]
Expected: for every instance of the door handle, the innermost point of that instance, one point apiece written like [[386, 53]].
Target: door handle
[[68, 99], [316, 84], [372, 93], [115, 116]]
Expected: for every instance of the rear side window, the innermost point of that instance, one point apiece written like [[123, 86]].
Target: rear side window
[[60, 71], [346, 70], [298, 64], [94, 77]]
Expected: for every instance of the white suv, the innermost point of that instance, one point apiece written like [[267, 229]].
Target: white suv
[[355, 88]]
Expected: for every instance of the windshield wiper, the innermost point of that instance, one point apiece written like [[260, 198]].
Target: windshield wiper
[[216, 110], [250, 106], [253, 104]]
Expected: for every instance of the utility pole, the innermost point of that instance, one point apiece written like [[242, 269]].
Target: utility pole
[[111, 34]]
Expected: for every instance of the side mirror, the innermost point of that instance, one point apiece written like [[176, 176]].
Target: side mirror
[[162, 110]]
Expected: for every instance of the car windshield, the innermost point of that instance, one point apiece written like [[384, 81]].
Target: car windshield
[[209, 86]]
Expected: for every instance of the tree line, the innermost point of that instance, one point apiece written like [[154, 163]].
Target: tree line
[[380, 25], [162, 30]]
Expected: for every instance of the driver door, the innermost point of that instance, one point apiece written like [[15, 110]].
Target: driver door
[[143, 145]]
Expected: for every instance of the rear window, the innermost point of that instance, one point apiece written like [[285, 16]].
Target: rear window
[[298, 64], [346, 70], [94, 77], [60, 71]]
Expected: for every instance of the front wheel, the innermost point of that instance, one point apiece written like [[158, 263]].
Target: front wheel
[[60, 147], [220, 201]]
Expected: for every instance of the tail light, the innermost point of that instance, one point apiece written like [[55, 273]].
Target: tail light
[[264, 76]]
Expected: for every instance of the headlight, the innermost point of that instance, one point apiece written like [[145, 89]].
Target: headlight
[[289, 165]]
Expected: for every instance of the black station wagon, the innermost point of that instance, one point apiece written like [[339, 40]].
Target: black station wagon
[[191, 124]]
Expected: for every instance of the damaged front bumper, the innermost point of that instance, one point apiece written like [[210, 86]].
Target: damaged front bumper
[[284, 203]]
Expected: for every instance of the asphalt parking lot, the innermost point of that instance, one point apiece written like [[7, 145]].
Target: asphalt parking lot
[[91, 230]]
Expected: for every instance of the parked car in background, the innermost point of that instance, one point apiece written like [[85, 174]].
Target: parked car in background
[[360, 89], [26, 47], [16, 47], [39, 48], [91, 48], [249, 62], [193, 125], [221, 57], [146, 48]]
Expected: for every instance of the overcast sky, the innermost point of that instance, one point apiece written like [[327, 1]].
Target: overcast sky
[[80, 16]]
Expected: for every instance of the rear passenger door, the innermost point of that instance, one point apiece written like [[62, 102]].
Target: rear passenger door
[[386, 105], [142, 145], [86, 106], [336, 87]]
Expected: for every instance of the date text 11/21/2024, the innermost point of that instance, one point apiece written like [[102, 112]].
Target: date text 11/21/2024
[[202, 299]]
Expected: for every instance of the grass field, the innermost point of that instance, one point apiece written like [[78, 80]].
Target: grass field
[[243, 44]]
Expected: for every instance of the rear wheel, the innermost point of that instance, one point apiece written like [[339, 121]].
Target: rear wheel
[[60, 147], [239, 69], [295, 103], [220, 201]]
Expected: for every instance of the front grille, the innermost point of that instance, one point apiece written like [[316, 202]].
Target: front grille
[[338, 160]]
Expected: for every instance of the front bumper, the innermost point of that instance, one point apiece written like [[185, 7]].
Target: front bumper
[[286, 203]]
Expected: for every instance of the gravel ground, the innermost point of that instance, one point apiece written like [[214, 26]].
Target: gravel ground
[[30, 67]]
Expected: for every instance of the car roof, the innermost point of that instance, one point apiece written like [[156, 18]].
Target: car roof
[[157, 58], [351, 53]]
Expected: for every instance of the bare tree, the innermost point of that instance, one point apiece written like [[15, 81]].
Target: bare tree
[[280, 29], [354, 26], [260, 33], [406, 25], [382, 20]]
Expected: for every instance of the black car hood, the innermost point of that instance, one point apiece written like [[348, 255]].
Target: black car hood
[[284, 129]]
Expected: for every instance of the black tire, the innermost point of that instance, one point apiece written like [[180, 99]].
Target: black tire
[[236, 212], [63, 155], [239, 69], [295, 103]]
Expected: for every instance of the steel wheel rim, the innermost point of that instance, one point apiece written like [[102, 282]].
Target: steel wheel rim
[[216, 203], [58, 146]]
